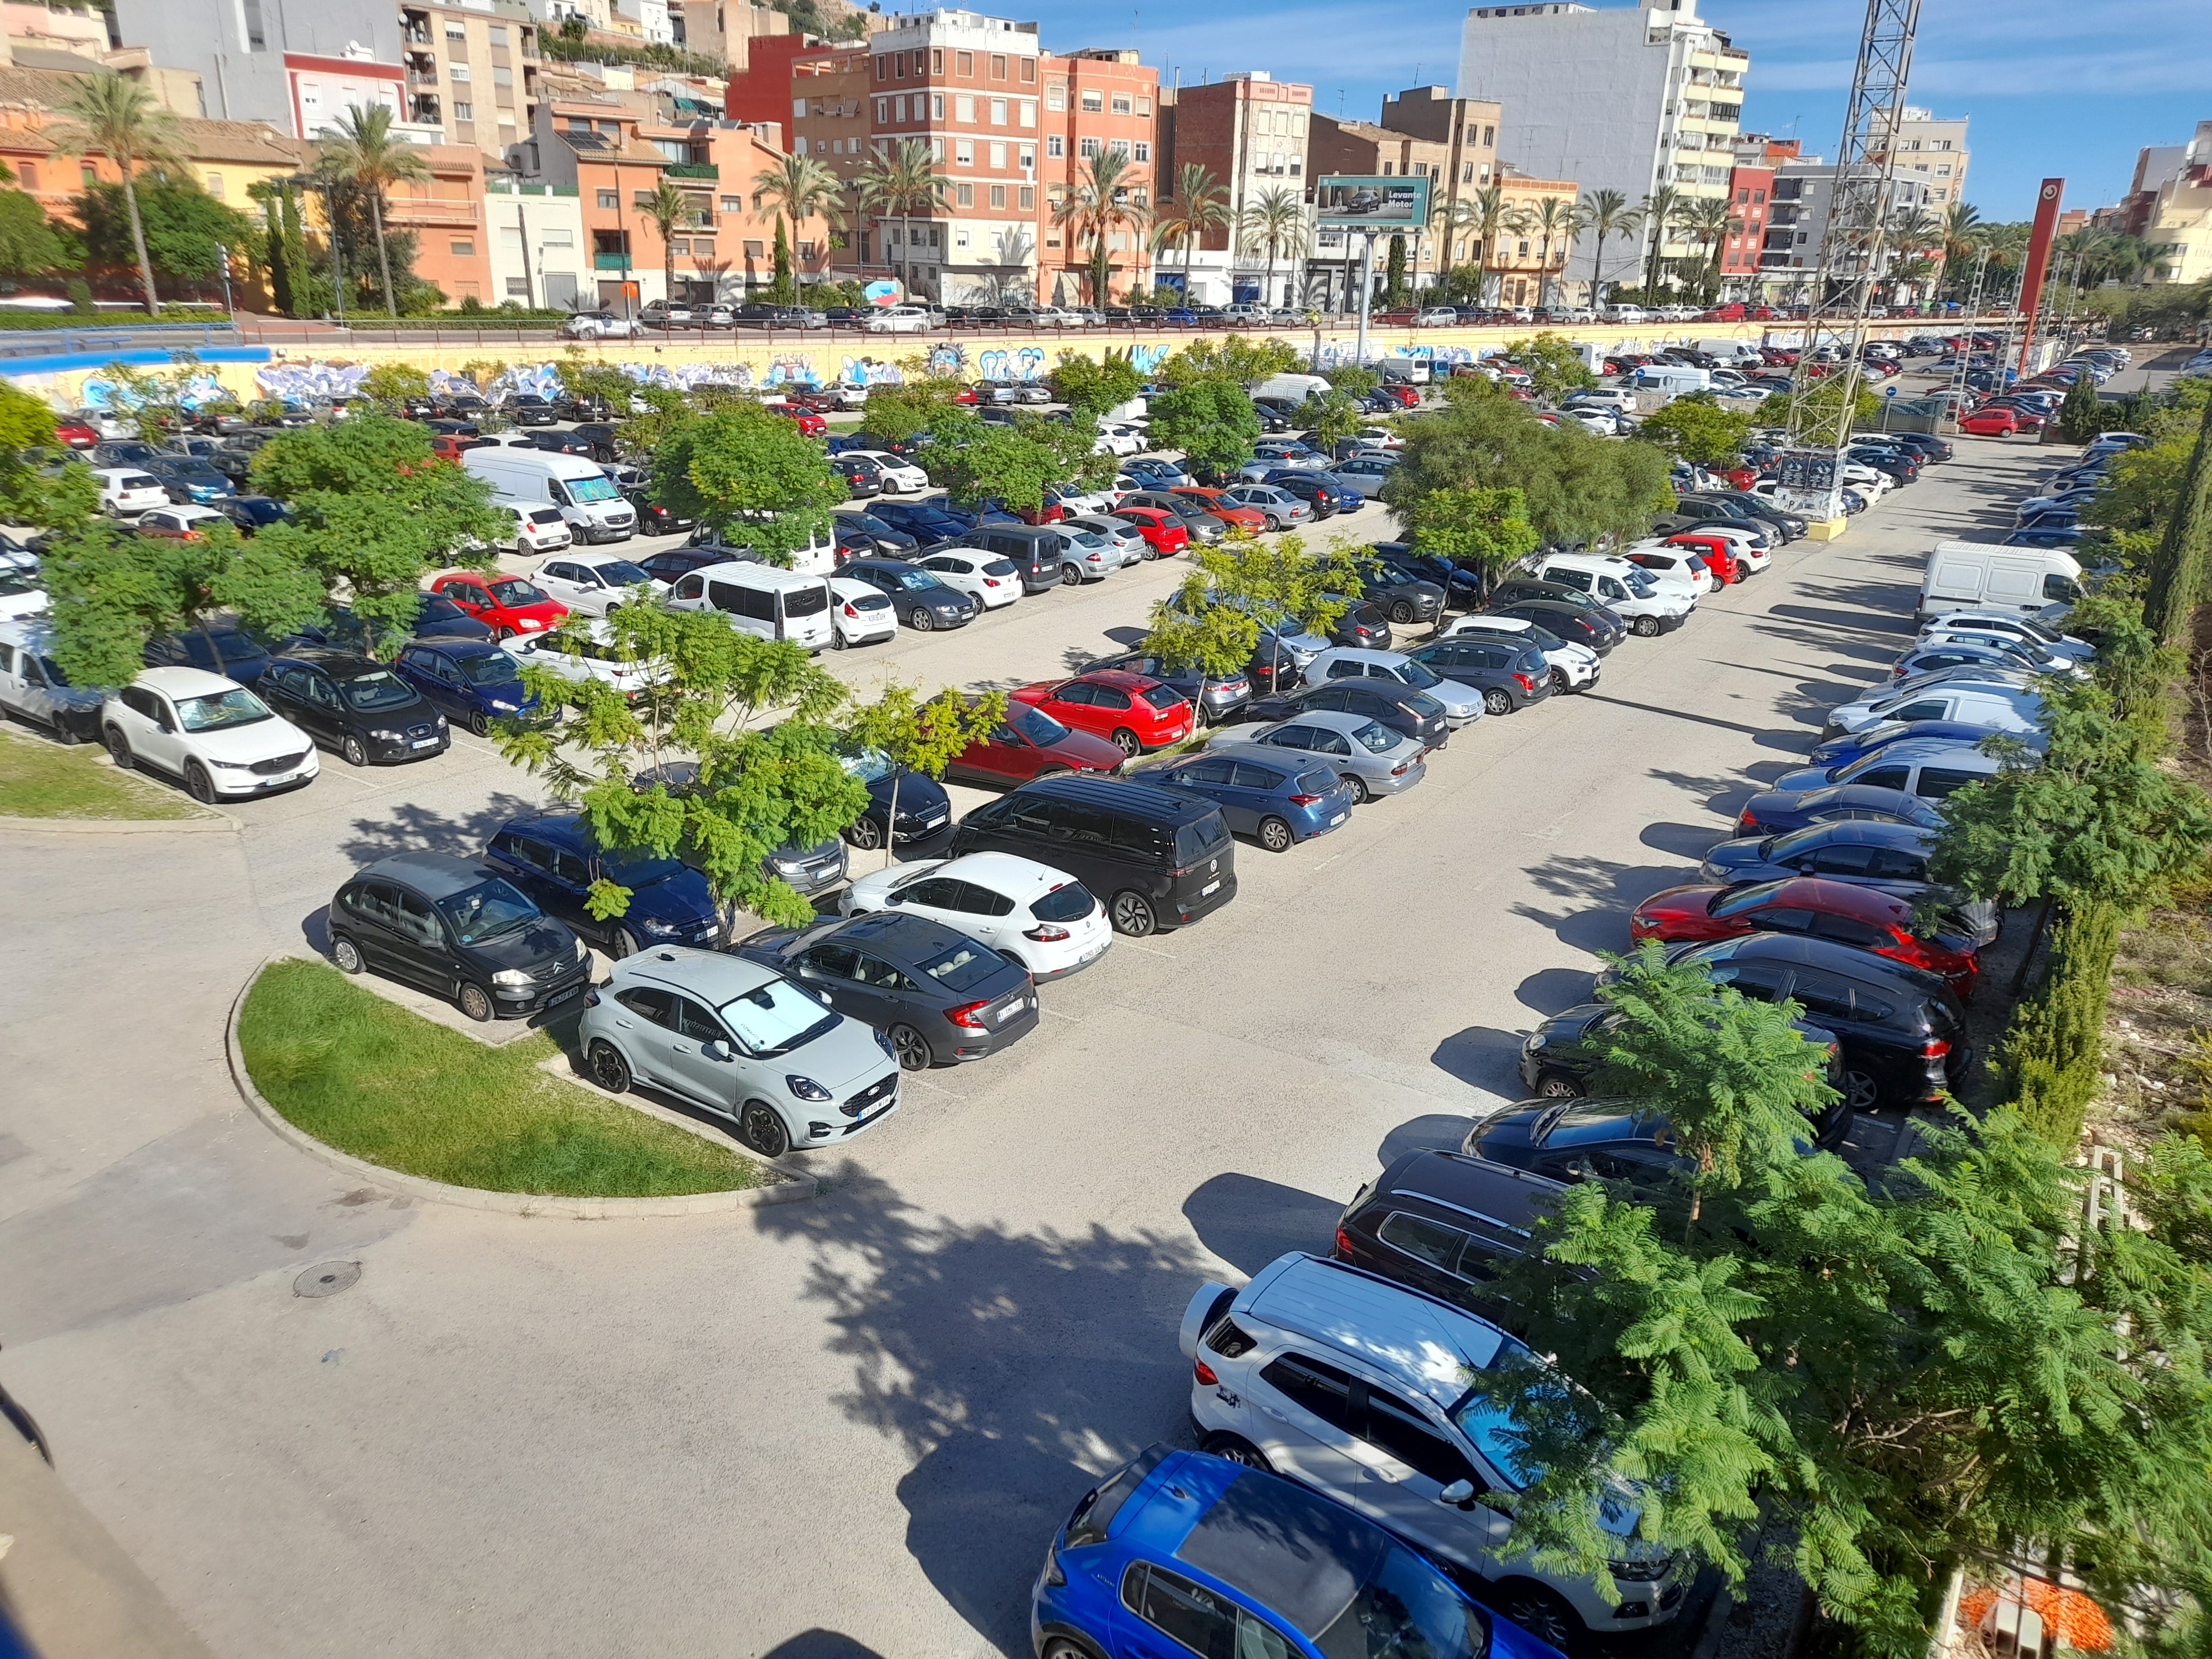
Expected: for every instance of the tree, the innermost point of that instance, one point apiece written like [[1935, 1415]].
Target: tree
[[1241, 584], [974, 461], [1557, 222], [364, 153], [666, 209], [1553, 365], [1697, 429], [31, 245], [583, 379], [802, 188], [1200, 206], [1394, 273], [753, 790], [1961, 240], [2080, 415], [1094, 383], [184, 230], [28, 495], [901, 182], [919, 736], [1234, 357], [782, 288], [1663, 208], [377, 512], [1488, 211], [899, 413], [1354, 380], [1708, 220], [120, 119], [1606, 214], [1212, 420], [1098, 204], [1329, 418], [743, 470], [1273, 220], [393, 385], [1485, 527], [2178, 573], [1826, 396]]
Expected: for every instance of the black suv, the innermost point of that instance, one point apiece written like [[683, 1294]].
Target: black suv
[[1446, 1224], [1587, 1138], [457, 929], [1557, 1061], [1158, 856], [1409, 713]]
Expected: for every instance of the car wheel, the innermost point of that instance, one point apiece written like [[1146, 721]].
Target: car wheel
[[1646, 627], [1559, 682], [356, 752], [1541, 1613], [1275, 835], [1862, 1092], [608, 1068], [500, 633], [1133, 916], [912, 1048], [1062, 1647], [480, 723], [119, 750], [1361, 794], [1126, 741], [863, 834], [837, 638], [760, 1126], [347, 955], [1557, 1085], [1496, 703], [1402, 613], [623, 943], [64, 735], [475, 1002], [1150, 552], [1069, 575], [920, 620], [1235, 1448], [199, 783]]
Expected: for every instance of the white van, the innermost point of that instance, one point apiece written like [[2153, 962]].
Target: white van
[[1626, 315], [1627, 590], [1674, 379], [761, 601], [588, 498], [1732, 354], [34, 688], [1290, 388], [1982, 576]]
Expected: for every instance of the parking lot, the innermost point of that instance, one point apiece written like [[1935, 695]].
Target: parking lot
[[861, 1415]]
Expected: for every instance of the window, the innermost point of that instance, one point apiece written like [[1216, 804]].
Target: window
[[964, 108], [517, 288], [610, 199], [1316, 1386], [462, 249], [936, 106], [28, 171], [459, 71], [679, 245], [1145, 153], [1118, 147], [1395, 1427], [998, 196], [998, 111], [213, 182], [963, 63], [497, 32], [883, 111], [1054, 145], [1055, 96], [898, 64], [1028, 158], [1094, 100], [641, 199], [255, 39], [1122, 104], [899, 108], [1196, 1619], [756, 250], [998, 66], [1087, 147], [90, 173], [998, 155], [1144, 107], [1489, 137], [964, 153], [464, 112], [963, 196], [1027, 197]]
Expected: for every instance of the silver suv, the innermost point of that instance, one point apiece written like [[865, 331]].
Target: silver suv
[[1368, 1392], [744, 1041]]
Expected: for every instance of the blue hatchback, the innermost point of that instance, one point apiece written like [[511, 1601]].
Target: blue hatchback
[[1180, 1550], [554, 861], [472, 682], [1278, 803], [1842, 752]]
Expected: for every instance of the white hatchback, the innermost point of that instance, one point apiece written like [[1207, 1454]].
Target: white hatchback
[[900, 477], [536, 529], [859, 614], [593, 584], [1042, 918], [975, 571], [1462, 704], [584, 651], [209, 733], [127, 492]]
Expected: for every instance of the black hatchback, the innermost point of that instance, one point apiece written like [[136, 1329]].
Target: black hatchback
[[1562, 1058], [939, 996], [355, 705], [1576, 624], [1409, 713], [1446, 1224], [457, 930], [1157, 857], [923, 601], [1580, 1139]]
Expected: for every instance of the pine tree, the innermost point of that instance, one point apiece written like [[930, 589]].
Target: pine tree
[[2080, 416], [779, 285]]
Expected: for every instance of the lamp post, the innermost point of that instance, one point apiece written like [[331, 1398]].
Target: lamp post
[[222, 263]]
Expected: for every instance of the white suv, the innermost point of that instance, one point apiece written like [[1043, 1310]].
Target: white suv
[[1370, 1392], [1626, 589], [209, 733]]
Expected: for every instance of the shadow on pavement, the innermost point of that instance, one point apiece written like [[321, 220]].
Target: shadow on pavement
[[821, 1644], [1683, 841], [1433, 1131], [1553, 990], [1249, 1222], [413, 829], [1483, 1058]]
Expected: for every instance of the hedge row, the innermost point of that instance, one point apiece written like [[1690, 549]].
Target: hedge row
[[13, 322], [2050, 1057]]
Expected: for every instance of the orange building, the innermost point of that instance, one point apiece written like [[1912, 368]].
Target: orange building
[[1097, 101], [446, 212]]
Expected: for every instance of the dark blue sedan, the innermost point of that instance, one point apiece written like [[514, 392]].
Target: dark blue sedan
[[1180, 1551], [472, 682], [1776, 811], [924, 808], [926, 521], [553, 859], [1842, 752], [1277, 803]]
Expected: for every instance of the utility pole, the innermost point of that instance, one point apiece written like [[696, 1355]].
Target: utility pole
[[529, 284], [1366, 292]]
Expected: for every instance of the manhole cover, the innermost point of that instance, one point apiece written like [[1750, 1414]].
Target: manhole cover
[[328, 1279]]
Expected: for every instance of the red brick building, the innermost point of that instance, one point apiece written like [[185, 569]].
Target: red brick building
[[1750, 188]]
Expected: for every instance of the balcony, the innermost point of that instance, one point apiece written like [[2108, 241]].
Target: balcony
[[422, 77], [693, 170], [611, 262], [431, 210]]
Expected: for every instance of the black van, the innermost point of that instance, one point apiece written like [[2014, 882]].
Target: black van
[[1035, 550], [1445, 1224], [1159, 857]]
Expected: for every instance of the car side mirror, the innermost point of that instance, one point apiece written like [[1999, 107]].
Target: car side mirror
[[714, 1051], [1460, 1494]]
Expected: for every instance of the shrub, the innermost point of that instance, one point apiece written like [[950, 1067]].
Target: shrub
[[2050, 1058]]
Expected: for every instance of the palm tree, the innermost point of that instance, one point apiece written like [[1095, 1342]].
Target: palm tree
[[1960, 221], [1661, 208], [1200, 203], [1274, 220], [1915, 234], [799, 187], [1708, 220], [1555, 221], [898, 182], [1487, 215], [1606, 213], [667, 208], [366, 155], [119, 118], [1095, 208]]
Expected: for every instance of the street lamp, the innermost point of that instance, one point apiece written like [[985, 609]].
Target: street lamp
[[329, 187]]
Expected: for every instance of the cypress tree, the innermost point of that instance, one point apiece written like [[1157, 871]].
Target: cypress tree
[[1394, 279], [2080, 417], [2178, 584], [280, 266], [781, 286]]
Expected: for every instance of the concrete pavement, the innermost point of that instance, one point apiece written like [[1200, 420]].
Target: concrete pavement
[[857, 1419]]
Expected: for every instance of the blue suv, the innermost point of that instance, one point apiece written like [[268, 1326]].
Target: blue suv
[[1179, 1550], [554, 861], [472, 682]]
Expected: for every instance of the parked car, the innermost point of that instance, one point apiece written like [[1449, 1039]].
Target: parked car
[[1884, 858], [1842, 751], [922, 599], [1399, 708], [587, 652], [360, 707], [1770, 814], [1370, 758], [210, 733], [593, 584], [938, 996], [1573, 667], [1506, 674], [1858, 916], [1037, 917], [987, 577], [1029, 744], [1279, 803], [471, 681], [508, 605], [860, 613], [1563, 1057], [34, 689], [1447, 1225], [927, 522], [895, 474], [1164, 531], [1214, 697], [1929, 767], [906, 806], [1587, 1138], [221, 649], [863, 535], [1134, 713], [555, 860], [1279, 508], [128, 491], [456, 928]]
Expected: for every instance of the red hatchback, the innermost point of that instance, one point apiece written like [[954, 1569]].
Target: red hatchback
[[76, 435], [1990, 424], [1833, 910], [808, 421], [1715, 550], [1230, 513], [1133, 712], [1033, 744], [506, 605], [1163, 532]]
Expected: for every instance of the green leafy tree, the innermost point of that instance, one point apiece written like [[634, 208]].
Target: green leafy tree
[[667, 409], [754, 789], [30, 244], [2181, 569], [781, 286], [974, 461], [1098, 204], [1211, 421], [583, 378], [392, 384], [1486, 528], [1697, 429], [29, 495], [364, 151], [1192, 630], [1826, 397], [1552, 365], [918, 735], [1094, 383], [898, 183], [1240, 584], [2081, 414], [742, 469], [118, 118], [377, 512], [1234, 357], [800, 189], [182, 225], [1329, 418], [1353, 379]]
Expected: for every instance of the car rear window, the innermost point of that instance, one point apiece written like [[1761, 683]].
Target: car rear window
[[1201, 838], [1069, 902], [805, 601], [1319, 781], [1162, 696], [960, 966]]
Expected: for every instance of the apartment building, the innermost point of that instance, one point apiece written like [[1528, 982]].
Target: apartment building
[[250, 55], [1099, 101], [1617, 97], [727, 30], [829, 110], [2176, 214], [760, 91], [1933, 150], [1751, 189], [444, 212], [472, 70], [1533, 247], [1251, 132], [1798, 212], [535, 243]]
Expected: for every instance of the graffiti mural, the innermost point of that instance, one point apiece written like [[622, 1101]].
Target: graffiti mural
[[1023, 363], [298, 382], [98, 391], [866, 371], [948, 359], [1147, 358]]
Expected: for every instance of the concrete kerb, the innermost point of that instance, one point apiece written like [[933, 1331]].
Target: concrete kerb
[[222, 826], [793, 1189]]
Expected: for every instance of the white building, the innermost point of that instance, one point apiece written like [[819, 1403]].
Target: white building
[[540, 256], [1624, 98], [1932, 149], [1797, 218]]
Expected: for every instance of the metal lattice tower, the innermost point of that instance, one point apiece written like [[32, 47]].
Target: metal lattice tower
[[1850, 262], [1965, 352]]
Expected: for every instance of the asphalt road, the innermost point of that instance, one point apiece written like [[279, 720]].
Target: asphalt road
[[850, 1425]]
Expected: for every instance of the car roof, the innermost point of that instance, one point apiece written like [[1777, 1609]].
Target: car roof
[[181, 682], [1866, 832], [899, 932], [566, 828], [713, 976], [1333, 719], [334, 661], [1845, 961], [1842, 898], [434, 875], [1474, 1187], [1123, 680], [1361, 654], [1005, 872], [467, 647], [1293, 1551], [1177, 805]]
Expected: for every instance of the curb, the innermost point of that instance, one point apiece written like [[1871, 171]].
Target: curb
[[794, 1189], [214, 826]]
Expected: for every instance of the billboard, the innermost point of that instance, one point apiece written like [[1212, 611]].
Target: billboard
[[1391, 206]]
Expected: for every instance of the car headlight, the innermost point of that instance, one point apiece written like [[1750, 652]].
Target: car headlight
[[583, 951], [505, 706], [231, 765], [1642, 1571], [884, 1044], [441, 722], [806, 1088], [658, 928], [513, 977], [527, 624], [385, 734], [1535, 1043]]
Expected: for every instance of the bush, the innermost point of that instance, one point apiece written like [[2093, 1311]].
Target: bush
[[24, 321], [2050, 1057]]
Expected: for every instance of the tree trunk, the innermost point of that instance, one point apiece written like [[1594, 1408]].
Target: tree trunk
[[891, 822], [383, 259], [138, 237], [2034, 936], [1597, 274]]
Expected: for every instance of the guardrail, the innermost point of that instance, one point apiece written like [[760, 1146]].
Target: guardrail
[[43, 341]]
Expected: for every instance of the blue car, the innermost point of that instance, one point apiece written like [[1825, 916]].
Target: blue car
[[1179, 1552], [1327, 495], [975, 517], [472, 682], [554, 861], [1154, 474], [926, 521], [1774, 811], [1842, 752], [2042, 535], [226, 650], [1277, 803], [189, 480]]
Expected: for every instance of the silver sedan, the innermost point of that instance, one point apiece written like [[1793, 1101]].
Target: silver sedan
[[1366, 754], [1282, 509], [1124, 537]]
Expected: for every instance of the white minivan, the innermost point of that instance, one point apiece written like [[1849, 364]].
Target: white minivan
[[1627, 590], [1982, 576], [524, 478], [761, 601]]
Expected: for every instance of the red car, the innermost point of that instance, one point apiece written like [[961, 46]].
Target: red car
[[506, 605], [1991, 424], [1832, 910], [76, 435], [1163, 532], [1231, 512], [965, 395], [1717, 552], [1407, 396], [449, 446], [805, 419], [1033, 744], [1134, 712]]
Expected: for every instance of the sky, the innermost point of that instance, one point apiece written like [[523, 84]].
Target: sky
[[2055, 88]]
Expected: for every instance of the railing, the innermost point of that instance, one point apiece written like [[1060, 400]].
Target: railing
[[693, 170], [39, 343], [429, 210], [611, 262], [422, 78]]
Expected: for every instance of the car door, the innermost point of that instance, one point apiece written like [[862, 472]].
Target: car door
[[831, 970], [1409, 1458], [1252, 794], [371, 909], [1301, 1417], [935, 896], [419, 950], [983, 914], [1161, 1614], [1109, 710], [1216, 773], [645, 1016], [703, 1060], [325, 710], [153, 732]]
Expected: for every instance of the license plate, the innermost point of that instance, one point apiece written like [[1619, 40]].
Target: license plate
[[1210, 887], [1338, 819], [1091, 954], [932, 824], [425, 743], [1011, 1010]]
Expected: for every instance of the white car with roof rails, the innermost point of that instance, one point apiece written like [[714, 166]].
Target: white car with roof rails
[[860, 613], [535, 529], [210, 733], [1042, 918], [1573, 666], [1118, 438], [900, 476], [1373, 1394], [1679, 568], [1462, 704], [585, 650], [2011, 625], [34, 688], [2003, 699], [593, 584], [1626, 589]]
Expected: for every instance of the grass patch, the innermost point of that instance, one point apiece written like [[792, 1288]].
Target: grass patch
[[371, 1078], [43, 780]]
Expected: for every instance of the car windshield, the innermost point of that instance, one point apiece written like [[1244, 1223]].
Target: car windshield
[[221, 710], [378, 689], [1419, 676], [513, 590], [958, 966], [635, 869], [1405, 1610], [1039, 727], [223, 648], [621, 573], [493, 668], [777, 1017], [1376, 739], [868, 765], [1088, 538], [486, 910], [589, 490]]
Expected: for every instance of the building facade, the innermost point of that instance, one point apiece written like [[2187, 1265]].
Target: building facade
[[1933, 150], [1535, 245], [1751, 190], [446, 213], [535, 243], [1251, 132], [1100, 101], [829, 109], [472, 70], [239, 48], [1618, 98], [2177, 218], [1798, 212]]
